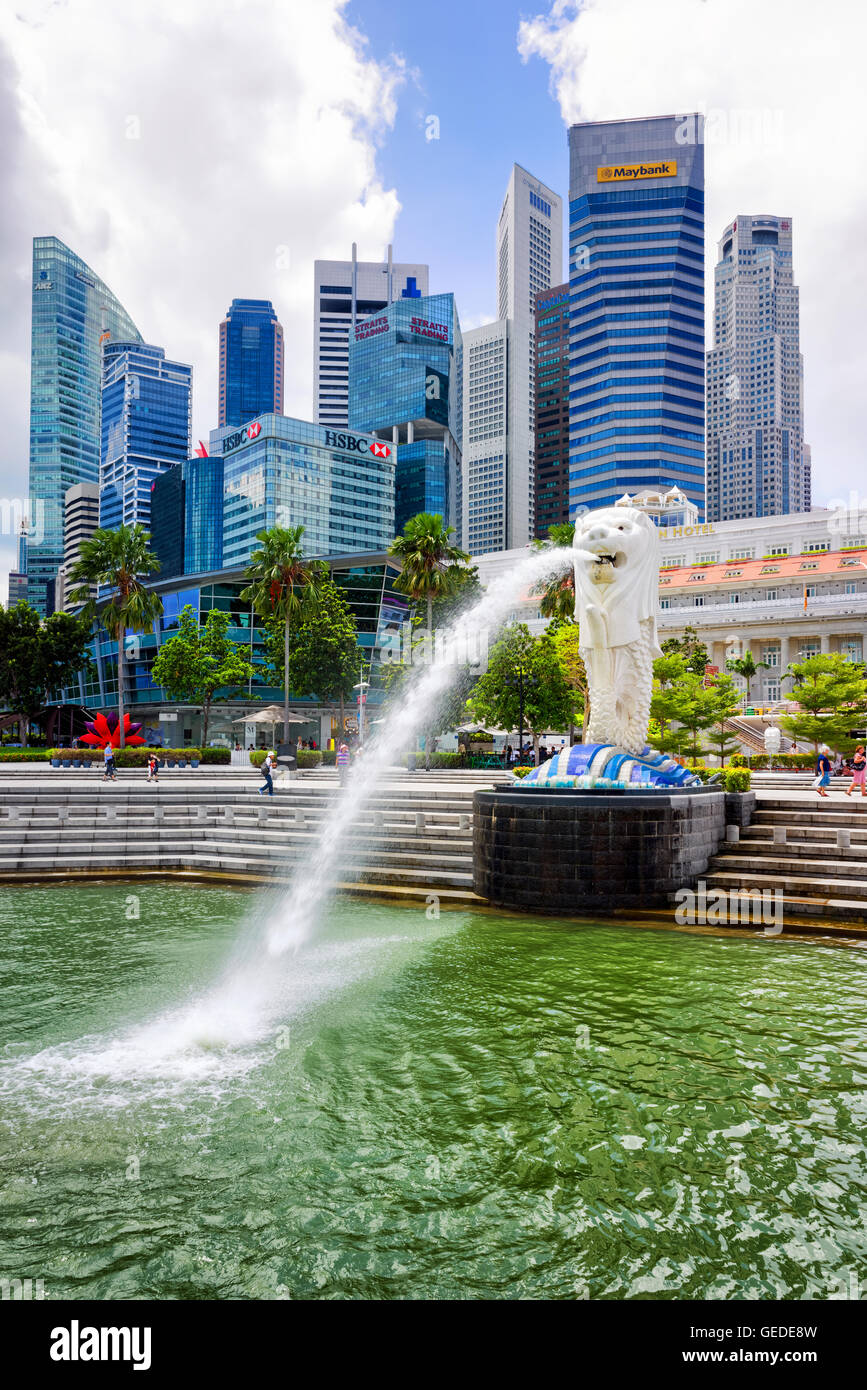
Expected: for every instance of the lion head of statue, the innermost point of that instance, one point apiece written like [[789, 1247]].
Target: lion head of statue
[[616, 575]]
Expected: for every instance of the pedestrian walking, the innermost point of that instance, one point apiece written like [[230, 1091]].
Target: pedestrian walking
[[823, 772], [859, 768], [267, 769], [343, 763], [109, 771], [153, 768]]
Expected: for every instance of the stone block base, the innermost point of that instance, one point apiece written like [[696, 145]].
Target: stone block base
[[577, 851]]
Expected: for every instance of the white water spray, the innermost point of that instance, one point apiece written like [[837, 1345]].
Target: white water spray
[[298, 913]]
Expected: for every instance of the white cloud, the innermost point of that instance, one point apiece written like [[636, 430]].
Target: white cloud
[[191, 153], [779, 82]]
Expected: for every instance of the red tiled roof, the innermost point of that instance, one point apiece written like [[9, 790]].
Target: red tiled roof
[[739, 572]]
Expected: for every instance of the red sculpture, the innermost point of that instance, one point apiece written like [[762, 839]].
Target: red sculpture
[[105, 729]]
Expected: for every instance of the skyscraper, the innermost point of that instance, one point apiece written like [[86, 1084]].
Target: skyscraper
[[636, 282], [485, 439], [757, 461], [552, 408], [529, 259], [404, 386], [146, 415], [80, 520], [251, 362], [74, 313], [344, 294]]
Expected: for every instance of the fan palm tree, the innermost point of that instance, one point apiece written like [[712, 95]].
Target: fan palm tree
[[119, 561], [558, 591], [429, 560], [283, 584], [747, 667]]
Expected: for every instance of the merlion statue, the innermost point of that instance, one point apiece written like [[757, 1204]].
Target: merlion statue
[[616, 600]]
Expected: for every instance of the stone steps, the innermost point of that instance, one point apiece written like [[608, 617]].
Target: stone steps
[[800, 897], [844, 864]]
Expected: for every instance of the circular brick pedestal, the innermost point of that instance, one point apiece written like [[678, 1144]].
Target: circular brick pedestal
[[578, 851]]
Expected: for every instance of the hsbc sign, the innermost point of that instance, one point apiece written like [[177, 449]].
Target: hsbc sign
[[355, 445], [242, 436]]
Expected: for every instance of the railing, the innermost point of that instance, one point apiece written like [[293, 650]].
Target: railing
[[753, 610]]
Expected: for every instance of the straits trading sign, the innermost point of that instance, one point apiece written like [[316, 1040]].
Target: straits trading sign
[[424, 328], [626, 173]]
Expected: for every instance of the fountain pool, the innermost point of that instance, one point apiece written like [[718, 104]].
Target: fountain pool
[[475, 1106]]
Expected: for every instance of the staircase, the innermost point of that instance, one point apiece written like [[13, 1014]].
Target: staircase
[[410, 841], [814, 850]]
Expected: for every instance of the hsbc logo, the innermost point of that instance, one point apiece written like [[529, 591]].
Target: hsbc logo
[[241, 436], [354, 445]]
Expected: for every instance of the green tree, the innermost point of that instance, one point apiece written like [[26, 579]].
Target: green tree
[[832, 695], [121, 562], [684, 705], [524, 676], [690, 647], [38, 657], [747, 667], [566, 638], [450, 708], [283, 586], [323, 648], [728, 703], [198, 662], [557, 592], [429, 560]]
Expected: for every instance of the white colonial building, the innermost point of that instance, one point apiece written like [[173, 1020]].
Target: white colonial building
[[782, 587]]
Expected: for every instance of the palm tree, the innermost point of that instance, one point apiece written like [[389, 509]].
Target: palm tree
[[283, 585], [747, 667], [429, 560], [119, 561], [558, 591]]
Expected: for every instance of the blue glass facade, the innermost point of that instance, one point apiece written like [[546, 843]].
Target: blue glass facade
[[145, 428], [167, 521], [404, 386], [366, 581], [203, 514], [337, 484], [74, 314], [251, 362], [636, 282]]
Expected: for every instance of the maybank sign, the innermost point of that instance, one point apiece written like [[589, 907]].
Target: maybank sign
[[627, 173]]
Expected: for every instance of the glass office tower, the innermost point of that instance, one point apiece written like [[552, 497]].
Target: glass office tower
[[551, 396], [636, 283], [404, 387], [146, 416], [337, 484], [74, 314], [251, 362]]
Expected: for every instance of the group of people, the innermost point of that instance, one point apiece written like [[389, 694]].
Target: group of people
[[526, 757], [825, 767]]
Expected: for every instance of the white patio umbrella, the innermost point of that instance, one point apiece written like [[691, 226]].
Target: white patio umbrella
[[270, 714]]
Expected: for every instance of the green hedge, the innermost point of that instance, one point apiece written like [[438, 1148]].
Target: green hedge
[[307, 757], [24, 755], [737, 779], [215, 755], [127, 757], [804, 761]]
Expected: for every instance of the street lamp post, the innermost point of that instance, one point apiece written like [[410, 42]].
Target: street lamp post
[[362, 686]]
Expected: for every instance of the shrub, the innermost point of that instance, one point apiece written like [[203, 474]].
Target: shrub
[[737, 779], [214, 755], [521, 771], [29, 755], [309, 757], [257, 756], [738, 760], [444, 760]]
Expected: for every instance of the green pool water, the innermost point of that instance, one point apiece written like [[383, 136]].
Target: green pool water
[[469, 1106]]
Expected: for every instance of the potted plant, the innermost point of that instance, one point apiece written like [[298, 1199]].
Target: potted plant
[[55, 760], [194, 762]]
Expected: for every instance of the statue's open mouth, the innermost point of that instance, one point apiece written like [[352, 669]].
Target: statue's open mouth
[[606, 559]]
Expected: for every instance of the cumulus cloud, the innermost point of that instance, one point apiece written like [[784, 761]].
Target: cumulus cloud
[[191, 153], [786, 135]]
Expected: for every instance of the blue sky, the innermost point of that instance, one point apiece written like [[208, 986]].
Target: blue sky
[[494, 110]]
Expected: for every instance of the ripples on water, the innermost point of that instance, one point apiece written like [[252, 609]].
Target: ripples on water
[[478, 1106]]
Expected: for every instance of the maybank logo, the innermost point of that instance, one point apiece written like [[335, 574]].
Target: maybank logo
[[625, 173]]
